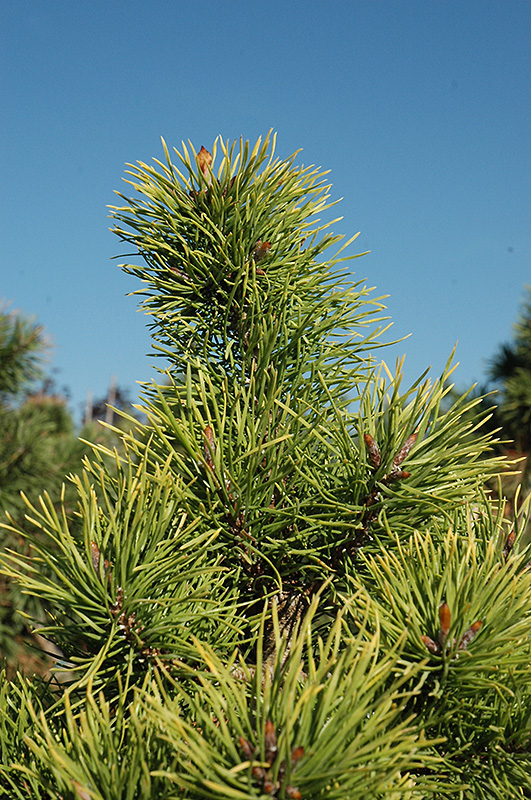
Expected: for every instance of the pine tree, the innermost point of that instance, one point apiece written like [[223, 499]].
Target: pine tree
[[510, 368], [38, 447], [510, 371], [506, 398], [291, 584]]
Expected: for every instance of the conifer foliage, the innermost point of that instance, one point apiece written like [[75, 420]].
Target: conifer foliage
[[38, 446], [289, 584]]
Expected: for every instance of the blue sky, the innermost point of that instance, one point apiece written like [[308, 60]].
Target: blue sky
[[421, 110]]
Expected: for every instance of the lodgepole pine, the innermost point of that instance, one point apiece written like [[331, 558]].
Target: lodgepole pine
[[290, 583]]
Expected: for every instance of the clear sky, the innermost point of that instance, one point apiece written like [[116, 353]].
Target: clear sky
[[421, 109]]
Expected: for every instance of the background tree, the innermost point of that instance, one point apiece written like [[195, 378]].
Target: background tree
[[506, 399], [291, 583], [39, 447], [510, 371]]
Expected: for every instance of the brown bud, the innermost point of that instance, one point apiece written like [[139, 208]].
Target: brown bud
[[261, 250], [247, 748], [260, 773], [209, 446], [96, 559], [95, 554], [470, 634], [204, 159], [404, 450], [445, 618], [399, 475], [118, 605], [293, 793], [432, 646], [270, 742], [374, 452], [296, 755], [509, 543], [180, 274]]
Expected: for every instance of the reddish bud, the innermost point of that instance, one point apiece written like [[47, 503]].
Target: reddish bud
[[95, 555], [204, 159], [96, 559], [247, 748], [432, 646], [270, 742], [260, 773], [209, 446], [261, 250], [180, 274], [445, 618], [399, 475], [118, 605], [296, 755], [470, 634], [374, 452], [293, 793], [509, 543], [405, 450]]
